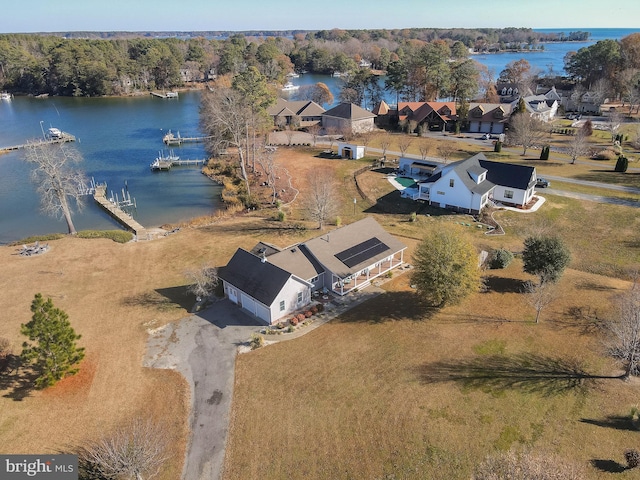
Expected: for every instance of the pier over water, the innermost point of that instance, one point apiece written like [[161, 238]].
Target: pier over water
[[100, 196]]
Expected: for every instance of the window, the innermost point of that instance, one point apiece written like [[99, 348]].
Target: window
[[508, 194], [451, 182], [313, 280], [299, 297], [282, 306], [440, 193]]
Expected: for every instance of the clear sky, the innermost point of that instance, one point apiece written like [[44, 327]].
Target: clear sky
[[204, 15]]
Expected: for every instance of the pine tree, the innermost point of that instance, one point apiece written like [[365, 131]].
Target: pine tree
[[54, 352]]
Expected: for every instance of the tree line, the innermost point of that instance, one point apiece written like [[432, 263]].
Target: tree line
[[119, 64]]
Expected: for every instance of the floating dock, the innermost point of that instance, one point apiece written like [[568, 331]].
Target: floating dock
[[100, 197]]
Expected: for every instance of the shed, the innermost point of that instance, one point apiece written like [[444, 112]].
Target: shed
[[350, 151]]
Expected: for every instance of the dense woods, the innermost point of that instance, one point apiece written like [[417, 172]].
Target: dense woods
[[421, 64]]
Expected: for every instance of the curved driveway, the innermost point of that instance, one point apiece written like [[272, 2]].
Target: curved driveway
[[203, 348]]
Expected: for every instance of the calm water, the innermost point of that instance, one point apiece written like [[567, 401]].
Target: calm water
[[118, 139], [551, 59]]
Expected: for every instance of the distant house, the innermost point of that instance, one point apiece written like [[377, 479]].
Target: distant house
[[510, 92], [433, 116], [348, 117], [489, 117], [543, 106], [271, 283], [469, 185], [306, 112]]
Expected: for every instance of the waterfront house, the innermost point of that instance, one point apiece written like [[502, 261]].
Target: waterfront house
[[348, 117], [469, 185], [303, 112], [271, 283]]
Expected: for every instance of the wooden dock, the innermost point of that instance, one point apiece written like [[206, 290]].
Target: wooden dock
[[66, 137], [171, 139], [166, 164], [100, 196], [165, 95]]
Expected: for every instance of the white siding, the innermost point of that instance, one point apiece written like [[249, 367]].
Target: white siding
[[458, 196], [289, 294]]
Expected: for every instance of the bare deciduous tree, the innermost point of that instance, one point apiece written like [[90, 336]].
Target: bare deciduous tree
[[289, 132], [314, 131], [203, 281], [58, 178], [321, 197], [385, 143], [623, 334], [539, 296], [267, 161], [134, 452], [404, 142], [424, 147], [225, 118], [614, 121], [445, 150], [578, 145], [525, 131]]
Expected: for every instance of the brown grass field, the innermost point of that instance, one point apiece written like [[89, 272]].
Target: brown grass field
[[386, 391]]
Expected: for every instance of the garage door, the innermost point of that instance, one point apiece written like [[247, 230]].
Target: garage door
[[262, 312], [248, 303]]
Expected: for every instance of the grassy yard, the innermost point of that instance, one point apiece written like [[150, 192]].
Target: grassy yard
[[389, 389], [394, 390]]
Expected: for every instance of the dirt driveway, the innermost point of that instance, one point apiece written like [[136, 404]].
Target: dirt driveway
[[203, 348]]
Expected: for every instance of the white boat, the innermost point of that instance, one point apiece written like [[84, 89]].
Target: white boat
[[171, 95], [290, 87], [5, 96], [54, 133], [293, 75]]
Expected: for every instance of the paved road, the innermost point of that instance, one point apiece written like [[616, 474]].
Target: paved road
[[203, 348], [592, 198]]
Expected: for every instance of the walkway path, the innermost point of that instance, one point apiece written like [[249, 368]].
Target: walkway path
[[203, 348]]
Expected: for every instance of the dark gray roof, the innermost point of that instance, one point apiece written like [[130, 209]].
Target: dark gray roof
[[349, 111], [261, 280], [509, 174], [325, 247]]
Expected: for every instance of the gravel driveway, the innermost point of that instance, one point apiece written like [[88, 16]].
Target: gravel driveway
[[203, 348]]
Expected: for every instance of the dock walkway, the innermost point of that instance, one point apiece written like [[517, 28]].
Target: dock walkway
[[100, 196], [166, 164], [66, 137], [171, 139]]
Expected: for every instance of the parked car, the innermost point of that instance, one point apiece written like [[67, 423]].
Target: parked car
[[543, 182]]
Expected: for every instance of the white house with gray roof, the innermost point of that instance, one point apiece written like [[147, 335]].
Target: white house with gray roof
[[470, 184], [271, 283]]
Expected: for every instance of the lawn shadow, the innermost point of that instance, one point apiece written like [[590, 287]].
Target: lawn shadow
[[503, 285], [587, 285], [162, 299], [526, 372], [609, 466], [390, 306], [15, 380], [615, 422]]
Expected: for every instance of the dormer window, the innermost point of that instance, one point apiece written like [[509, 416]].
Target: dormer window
[[498, 113], [445, 110], [510, 91], [504, 90], [477, 112]]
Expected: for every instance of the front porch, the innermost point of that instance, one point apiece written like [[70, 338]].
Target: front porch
[[364, 277]]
